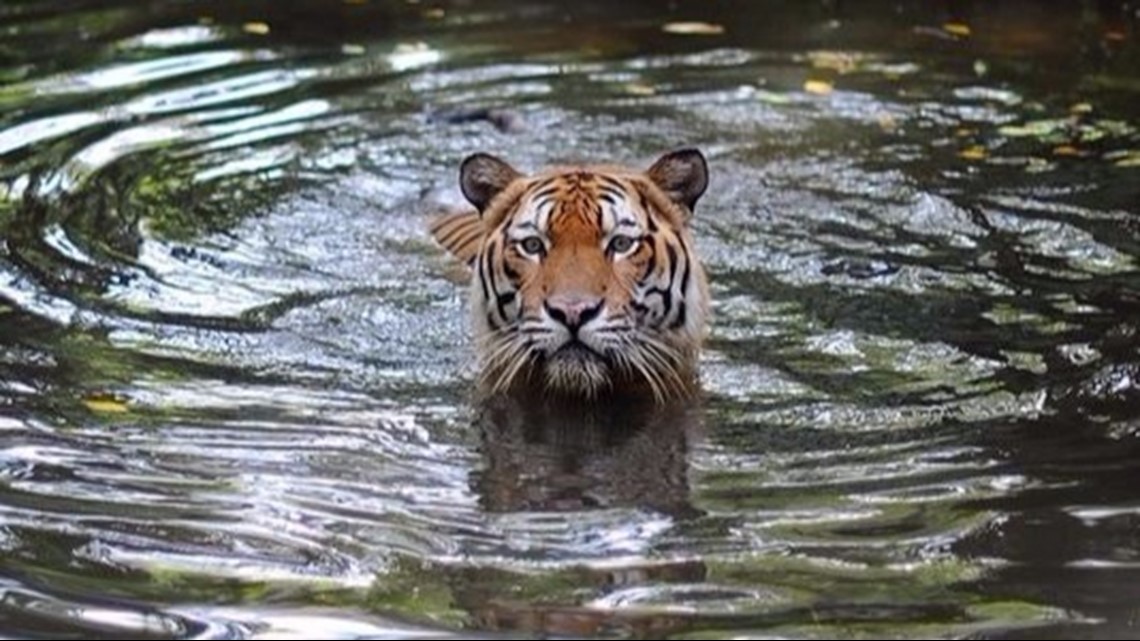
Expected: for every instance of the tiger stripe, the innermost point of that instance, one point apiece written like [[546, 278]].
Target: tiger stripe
[[557, 299]]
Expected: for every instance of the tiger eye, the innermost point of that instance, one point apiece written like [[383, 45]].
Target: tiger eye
[[622, 244], [532, 245]]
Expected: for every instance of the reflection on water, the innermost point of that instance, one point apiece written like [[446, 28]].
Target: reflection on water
[[565, 459], [235, 371]]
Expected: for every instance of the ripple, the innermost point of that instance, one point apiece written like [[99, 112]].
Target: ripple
[[234, 370]]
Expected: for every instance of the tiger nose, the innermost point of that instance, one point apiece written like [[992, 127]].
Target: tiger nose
[[573, 311]]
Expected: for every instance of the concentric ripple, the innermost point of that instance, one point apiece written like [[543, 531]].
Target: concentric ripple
[[235, 373]]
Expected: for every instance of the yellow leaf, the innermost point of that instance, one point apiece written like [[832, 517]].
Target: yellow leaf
[[256, 28], [639, 89], [975, 152], [818, 87], [435, 14], [1066, 150], [1132, 160], [105, 405], [694, 28], [1081, 108], [837, 60], [957, 28]]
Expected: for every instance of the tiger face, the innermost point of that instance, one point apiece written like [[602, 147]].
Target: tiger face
[[585, 278]]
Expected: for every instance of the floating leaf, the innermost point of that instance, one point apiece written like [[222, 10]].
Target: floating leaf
[[1066, 150], [1036, 128], [1132, 159], [435, 14], [960, 29], [640, 89], [974, 152], [840, 61], [256, 28], [694, 28], [1081, 108], [772, 97], [105, 405], [1115, 127], [819, 87], [1092, 134], [352, 50]]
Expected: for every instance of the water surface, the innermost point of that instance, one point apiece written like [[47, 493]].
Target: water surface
[[235, 372]]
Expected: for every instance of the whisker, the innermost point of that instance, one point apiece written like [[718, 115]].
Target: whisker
[[510, 360], [636, 358], [667, 360], [521, 356]]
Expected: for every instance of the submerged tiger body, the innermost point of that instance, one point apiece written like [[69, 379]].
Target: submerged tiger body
[[585, 279]]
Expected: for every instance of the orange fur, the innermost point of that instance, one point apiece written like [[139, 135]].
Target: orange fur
[[633, 342]]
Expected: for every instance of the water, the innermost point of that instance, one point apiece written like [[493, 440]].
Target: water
[[235, 372]]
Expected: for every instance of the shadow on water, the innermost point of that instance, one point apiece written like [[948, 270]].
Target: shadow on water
[[234, 370]]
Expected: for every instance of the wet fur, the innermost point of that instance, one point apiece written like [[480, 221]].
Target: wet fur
[[654, 298]]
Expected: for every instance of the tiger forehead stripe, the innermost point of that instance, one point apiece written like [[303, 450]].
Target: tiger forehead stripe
[[545, 192]]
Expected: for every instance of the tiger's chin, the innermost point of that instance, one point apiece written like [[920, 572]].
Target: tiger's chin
[[578, 374], [577, 371]]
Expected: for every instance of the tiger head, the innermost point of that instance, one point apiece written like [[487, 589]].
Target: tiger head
[[585, 277]]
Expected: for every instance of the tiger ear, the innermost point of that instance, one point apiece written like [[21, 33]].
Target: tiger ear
[[683, 175], [483, 176]]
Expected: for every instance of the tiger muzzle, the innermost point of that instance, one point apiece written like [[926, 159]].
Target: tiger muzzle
[[573, 311]]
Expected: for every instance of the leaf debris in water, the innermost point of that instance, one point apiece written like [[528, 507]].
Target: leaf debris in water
[[640, 89], [105, 405], [818, 87], [694, 28], [1130, 159], [960, 29], [973, 152], [1036, 128], [256, 28], [840, 61], [772, 97]]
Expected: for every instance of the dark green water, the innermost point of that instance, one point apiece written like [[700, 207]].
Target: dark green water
[[234, 369]]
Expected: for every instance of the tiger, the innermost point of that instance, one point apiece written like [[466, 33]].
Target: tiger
[[584, 278]]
